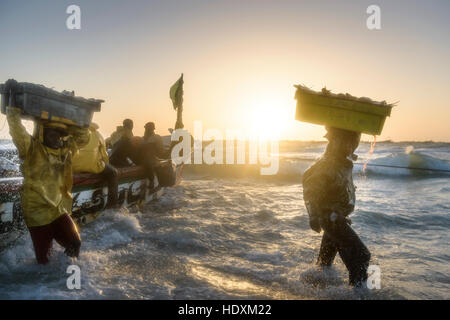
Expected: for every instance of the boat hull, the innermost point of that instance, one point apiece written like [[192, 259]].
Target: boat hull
[[89, 196]]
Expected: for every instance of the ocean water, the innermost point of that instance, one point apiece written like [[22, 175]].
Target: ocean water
[[227, 232]]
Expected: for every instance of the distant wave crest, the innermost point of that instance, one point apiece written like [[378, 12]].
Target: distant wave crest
[[407, 164]]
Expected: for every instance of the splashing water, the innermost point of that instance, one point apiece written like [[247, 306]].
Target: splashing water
[[225, 234], [370, 153], [409, 149]]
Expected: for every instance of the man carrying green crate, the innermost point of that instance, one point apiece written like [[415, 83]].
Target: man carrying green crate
[[329, 196]]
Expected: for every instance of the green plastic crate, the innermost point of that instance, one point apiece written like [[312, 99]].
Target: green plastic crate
[[341, 111]]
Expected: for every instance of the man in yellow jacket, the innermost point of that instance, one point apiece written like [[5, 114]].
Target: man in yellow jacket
[[47, 181], [93, 158]]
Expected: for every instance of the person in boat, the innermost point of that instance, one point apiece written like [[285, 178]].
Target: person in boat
[[153, 140], [125, 152], [124, 146], [124, 131], [329, 195], [47, 180], [151, 151], [93, 158]]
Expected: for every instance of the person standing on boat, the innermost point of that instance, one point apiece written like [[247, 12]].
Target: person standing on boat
[[47, 180], [329, 195], [93, 158], [125, 131]]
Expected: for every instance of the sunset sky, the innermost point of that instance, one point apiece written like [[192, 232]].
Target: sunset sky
[[240, 60]]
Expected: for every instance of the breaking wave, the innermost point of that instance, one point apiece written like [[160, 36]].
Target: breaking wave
[[409, 163], [291, 168]]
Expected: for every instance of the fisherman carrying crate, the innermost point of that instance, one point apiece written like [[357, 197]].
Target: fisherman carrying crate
[[47, 167], [329, 196], [328, 189]]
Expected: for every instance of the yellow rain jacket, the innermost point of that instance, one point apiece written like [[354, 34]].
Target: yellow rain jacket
[[47, 172], [117, 135], [92, 157]]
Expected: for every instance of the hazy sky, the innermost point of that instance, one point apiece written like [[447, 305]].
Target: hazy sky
[[238, 57]]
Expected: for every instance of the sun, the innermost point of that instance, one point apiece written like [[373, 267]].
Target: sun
[[268, 119]]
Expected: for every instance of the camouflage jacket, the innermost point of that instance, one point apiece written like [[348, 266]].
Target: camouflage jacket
[[328, 187]]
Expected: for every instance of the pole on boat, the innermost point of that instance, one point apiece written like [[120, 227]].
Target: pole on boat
[[176, 95]]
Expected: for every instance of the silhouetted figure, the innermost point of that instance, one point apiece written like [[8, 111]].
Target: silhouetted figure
[[329, 196], [126, 152], [151, 151], [125, 131]]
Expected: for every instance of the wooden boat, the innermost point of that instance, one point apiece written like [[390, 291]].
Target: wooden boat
[[89, 191], [89, 195]]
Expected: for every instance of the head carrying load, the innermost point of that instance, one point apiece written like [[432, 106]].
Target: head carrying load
[[39, 102], [342, 111]]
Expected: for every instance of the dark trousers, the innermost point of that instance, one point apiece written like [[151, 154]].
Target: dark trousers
[[148, 159], [63, 230], [110, 174], [340, 237], [150, 174]]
